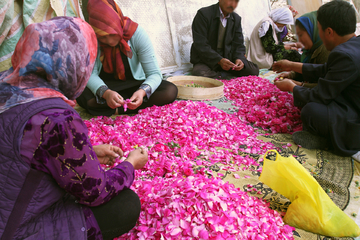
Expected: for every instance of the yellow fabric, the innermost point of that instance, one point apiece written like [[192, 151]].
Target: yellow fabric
[[311, 208]]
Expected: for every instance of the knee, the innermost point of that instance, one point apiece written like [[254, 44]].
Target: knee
[[197, 71], [313, 114], [171, 92], [253, 69], [310, 110], [200, 69], [203, 70], [133, 200]]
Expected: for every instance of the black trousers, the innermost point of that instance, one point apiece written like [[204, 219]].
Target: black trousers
[[166, 93], [338, 122], [201, 69], [119, 215], [315, 118]]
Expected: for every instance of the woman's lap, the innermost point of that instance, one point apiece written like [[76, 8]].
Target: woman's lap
[[166, 93], [119, 215]]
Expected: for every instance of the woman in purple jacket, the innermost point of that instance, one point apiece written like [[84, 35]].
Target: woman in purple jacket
[[51, 183]]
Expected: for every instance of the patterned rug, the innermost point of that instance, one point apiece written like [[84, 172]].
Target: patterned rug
[[334, 174], [338, 176]]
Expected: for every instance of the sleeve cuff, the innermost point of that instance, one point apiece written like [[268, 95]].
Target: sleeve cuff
[[147, 90], [99, 93]]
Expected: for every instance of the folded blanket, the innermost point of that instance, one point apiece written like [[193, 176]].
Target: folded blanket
[[16, 15]]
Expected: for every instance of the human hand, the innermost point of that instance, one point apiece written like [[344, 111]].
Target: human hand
[[107, 153], [294, 46], [138, 157], [298, 83], [238, 65], [226, 64], [298, 45], [288, 46], [113, 99], [284, 75], [285, 84], [136, 99], [282, 65]]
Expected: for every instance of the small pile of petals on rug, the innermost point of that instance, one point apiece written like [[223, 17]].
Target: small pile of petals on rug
[[180, 197], [263, 104]]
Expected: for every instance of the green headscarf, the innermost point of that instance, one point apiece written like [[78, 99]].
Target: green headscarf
[[309, 21]]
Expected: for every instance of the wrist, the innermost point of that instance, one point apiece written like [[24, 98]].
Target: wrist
[[131, 161], [96, 149], [106, 93], [292, 75], [101, 90], [291, 66], [147, 90], [142, 91], [292, 86]]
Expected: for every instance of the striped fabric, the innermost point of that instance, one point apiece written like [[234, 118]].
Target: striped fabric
[[18, 14]]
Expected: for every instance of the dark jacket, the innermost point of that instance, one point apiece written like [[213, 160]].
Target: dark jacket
[[319, 56], [338, 89], [52, 213], [205, 28]]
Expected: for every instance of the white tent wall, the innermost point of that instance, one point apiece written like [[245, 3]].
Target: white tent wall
[[168, 24]]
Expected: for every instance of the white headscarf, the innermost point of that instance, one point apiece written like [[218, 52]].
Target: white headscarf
[[280, 15]]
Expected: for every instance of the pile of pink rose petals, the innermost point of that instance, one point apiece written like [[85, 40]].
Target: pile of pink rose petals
[[263, 104], [198, 207], [181, 197], [181, 135]]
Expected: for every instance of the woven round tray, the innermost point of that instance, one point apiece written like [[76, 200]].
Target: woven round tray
[[211, 89]]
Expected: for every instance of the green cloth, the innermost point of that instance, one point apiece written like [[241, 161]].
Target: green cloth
[[278, 51]]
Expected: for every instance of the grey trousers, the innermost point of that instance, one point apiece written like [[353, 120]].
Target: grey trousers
[[201, 69]]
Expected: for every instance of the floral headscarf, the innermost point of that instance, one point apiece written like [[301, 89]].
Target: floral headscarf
[[106, 18], [52, 59], [309, 22]]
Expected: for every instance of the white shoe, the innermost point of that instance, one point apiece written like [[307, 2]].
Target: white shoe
[[356, 156]]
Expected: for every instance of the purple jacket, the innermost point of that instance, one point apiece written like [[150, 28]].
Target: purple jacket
[[52, 213]]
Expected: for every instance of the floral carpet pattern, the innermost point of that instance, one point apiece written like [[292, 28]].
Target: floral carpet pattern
[[205, 158]]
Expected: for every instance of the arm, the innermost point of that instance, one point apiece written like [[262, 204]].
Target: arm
[[312, 72], [145, 55], [238, 47], [64, 151], [278, 51], [342, 72], [201, 44], [269, 44], [95, 82], [100, 90], [286, 65], [141, 44]]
